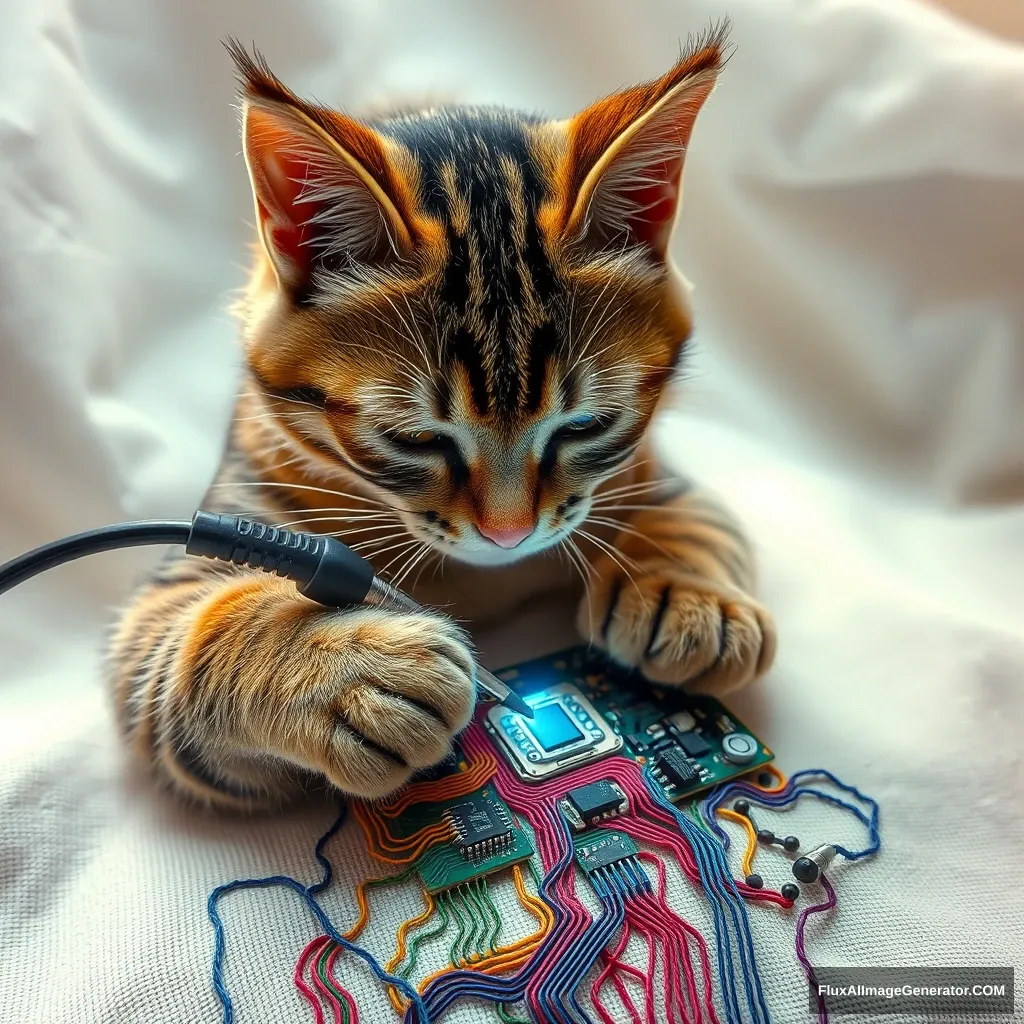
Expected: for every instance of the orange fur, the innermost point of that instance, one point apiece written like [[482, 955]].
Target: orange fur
[[488, 369]]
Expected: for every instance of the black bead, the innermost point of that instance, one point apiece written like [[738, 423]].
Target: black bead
[[742, 807], [755, 881], [766, 780], [791, 843], [805, 870], [790, 891], [765, 836]]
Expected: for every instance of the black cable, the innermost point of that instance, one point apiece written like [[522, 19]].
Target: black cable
[[106, 538], [322, 568]]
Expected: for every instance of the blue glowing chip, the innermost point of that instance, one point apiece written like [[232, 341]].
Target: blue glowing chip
[[553, 728]]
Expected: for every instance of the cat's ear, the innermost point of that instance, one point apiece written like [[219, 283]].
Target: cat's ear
[[325, 185], [622, 170]]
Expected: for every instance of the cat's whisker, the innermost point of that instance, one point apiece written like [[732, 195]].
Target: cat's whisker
[[437, 556], [628, 490], [419, 333], [606, 314], [633, 508], [308, 487], [376, 541], [623, 469], [383, 522], [400, 548], [268, 415], [402, 552], [363, 544], [360, 514], [621, 560], [632, 531], [407, 337], [295, 460], [590, 312], [582, 566], [410, 565], [289, 401]]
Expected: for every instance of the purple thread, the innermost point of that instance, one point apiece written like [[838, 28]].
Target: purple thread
[[801, 952]]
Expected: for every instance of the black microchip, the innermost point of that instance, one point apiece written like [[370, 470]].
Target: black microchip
[[674, 767], [595, 801], [638, 740], [482, 828], [693, 743], [605, 852]]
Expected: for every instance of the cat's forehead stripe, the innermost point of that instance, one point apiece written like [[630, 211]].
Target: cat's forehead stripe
[[479, 178]]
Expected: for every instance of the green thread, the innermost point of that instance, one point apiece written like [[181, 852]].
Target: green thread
[[492, 939], [469, 947], [453, 952], [507, 1018], [321, 970], [422, 936]]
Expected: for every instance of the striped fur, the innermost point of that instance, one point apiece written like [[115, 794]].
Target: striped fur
[[459, 326]]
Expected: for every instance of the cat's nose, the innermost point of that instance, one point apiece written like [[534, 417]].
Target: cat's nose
[[505, 536]]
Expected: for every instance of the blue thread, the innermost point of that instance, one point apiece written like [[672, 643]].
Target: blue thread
[[719, 886], [307, 894], [454, 985], [561, 985], [792, 792]]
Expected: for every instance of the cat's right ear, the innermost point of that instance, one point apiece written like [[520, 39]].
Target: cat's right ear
[[326, 188]]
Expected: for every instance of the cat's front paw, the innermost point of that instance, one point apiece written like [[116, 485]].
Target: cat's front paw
[[381, 695], [677, 628]]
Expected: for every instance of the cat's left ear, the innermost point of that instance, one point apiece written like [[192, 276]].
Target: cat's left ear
[[621, 175], [326, 187]]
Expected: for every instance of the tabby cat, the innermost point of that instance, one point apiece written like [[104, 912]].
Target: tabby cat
[[458, 328]]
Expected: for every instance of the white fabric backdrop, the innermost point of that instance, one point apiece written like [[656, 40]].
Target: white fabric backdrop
[[854, 225]]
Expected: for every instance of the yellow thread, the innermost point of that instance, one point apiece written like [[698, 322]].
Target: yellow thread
[[403, 930], [747, 867], [504, 958]]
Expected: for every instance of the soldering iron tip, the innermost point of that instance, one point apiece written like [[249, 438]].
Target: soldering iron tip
[[516, 703]]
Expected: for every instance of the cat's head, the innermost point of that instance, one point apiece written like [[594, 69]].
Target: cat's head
[[471, 309]]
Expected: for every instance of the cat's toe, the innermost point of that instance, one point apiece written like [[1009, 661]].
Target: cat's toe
[[402, 690], [679, 632]]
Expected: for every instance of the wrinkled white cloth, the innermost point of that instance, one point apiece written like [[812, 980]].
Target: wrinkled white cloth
[[853, 225]]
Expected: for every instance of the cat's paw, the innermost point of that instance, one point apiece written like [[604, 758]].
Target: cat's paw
[[677, 628], [381, 695]]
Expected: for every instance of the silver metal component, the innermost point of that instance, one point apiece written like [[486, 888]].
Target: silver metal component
[[739, 748], [526, 753], [683, 721]]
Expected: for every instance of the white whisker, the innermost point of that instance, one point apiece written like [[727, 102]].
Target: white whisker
[[622, 527], [397, 580], [403, 548], [307, 487], [617, 557], [378, 540]]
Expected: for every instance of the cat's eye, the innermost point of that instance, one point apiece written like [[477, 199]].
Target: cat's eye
[[417, 437], [581, 421], [582, 425]]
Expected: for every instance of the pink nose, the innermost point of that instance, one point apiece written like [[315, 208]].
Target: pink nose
[[505, 537]]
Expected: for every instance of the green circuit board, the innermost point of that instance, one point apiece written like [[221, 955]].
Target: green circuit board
[[679, 735], [651, 720], [448, 864]]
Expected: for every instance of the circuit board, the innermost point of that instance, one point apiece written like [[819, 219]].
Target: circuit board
[[498, 842], [585, 710], [692, 742], [471, 828]]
